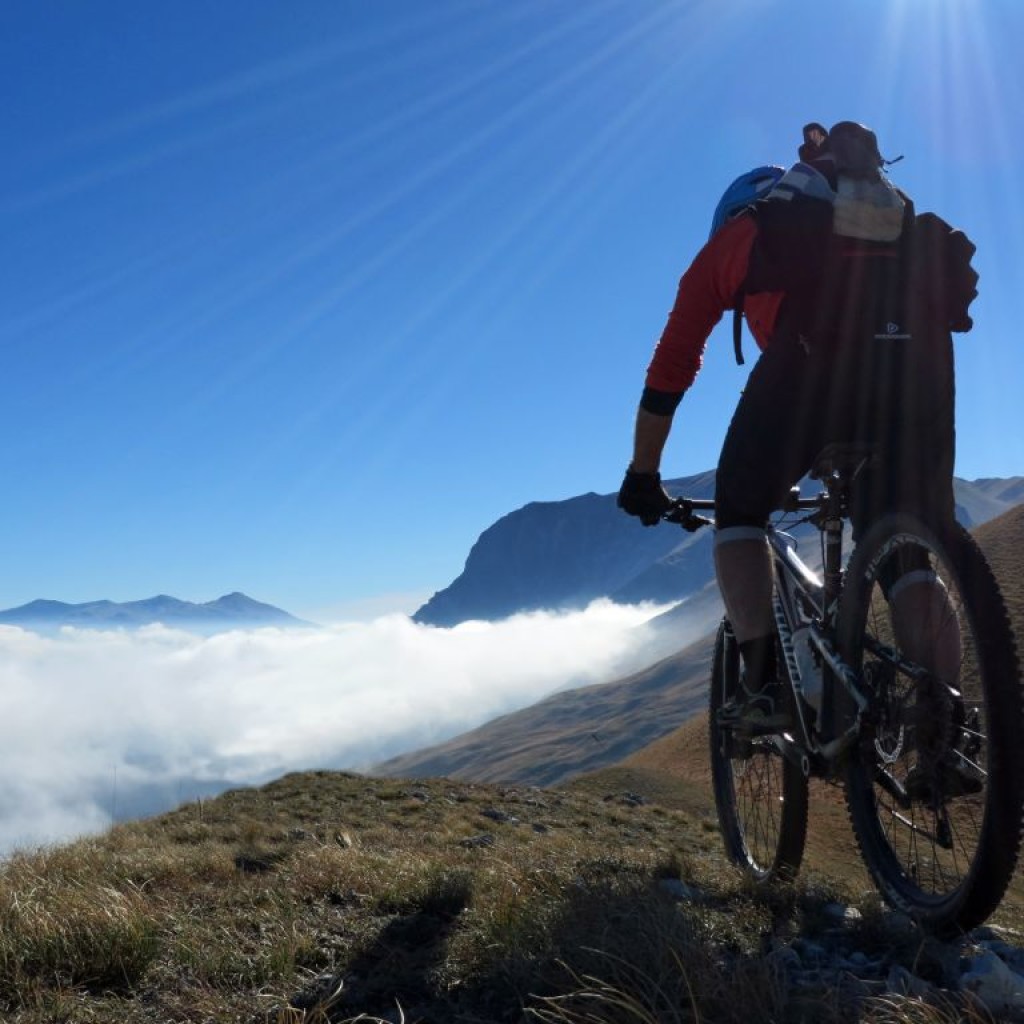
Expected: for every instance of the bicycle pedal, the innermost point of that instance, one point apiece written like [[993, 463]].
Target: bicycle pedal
[[728, 715], [737, 719]]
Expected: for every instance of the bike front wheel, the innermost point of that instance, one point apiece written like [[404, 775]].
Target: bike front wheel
[[935, 784], [761, 797]]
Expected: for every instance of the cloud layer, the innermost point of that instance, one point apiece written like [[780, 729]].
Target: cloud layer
[[101, 726]]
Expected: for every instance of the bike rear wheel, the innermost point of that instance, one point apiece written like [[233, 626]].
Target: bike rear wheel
[[935, 785], [760, 796]]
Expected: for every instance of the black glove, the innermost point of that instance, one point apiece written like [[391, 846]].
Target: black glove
[[642, 495]]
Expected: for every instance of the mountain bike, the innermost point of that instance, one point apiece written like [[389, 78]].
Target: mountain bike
[[900, 672]]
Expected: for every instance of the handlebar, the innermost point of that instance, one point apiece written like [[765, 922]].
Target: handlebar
[[683, 511]]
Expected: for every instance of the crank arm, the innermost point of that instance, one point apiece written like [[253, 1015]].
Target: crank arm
[[893, 787], [793, 752]]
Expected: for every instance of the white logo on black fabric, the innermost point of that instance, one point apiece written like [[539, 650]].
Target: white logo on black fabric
[[893, 332]]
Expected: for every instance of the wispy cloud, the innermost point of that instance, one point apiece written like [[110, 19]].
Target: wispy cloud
[[98, 726]]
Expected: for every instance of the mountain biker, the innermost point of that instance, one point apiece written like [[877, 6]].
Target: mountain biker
[[851, 298]]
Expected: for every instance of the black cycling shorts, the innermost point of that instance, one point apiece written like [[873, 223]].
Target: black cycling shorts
[[896, 395]]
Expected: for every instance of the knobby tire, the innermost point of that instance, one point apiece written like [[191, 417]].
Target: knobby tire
[[945, 860]]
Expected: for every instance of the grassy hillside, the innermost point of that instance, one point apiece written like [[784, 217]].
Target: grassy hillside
[[1002, 540], [333, 897]]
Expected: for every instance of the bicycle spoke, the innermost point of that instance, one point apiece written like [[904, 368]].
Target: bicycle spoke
[[760, 797], [758, 784]]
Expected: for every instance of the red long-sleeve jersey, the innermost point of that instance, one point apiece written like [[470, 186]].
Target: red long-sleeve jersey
[[707, 289]]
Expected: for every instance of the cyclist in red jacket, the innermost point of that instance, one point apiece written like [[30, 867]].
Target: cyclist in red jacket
[[850, 297]]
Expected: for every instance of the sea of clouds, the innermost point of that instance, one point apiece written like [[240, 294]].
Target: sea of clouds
[[103, 726]]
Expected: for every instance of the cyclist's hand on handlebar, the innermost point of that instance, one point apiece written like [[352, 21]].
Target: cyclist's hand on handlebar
[[643, 496]]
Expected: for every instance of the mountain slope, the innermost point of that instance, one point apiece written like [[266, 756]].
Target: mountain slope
[[562, 554], [573, 731], [981, 500], [1002, 540]]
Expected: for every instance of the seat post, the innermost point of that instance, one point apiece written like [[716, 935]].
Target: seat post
[[832, 528], [836, 466]]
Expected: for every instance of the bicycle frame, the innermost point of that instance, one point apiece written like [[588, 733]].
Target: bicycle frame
[[803, 599]]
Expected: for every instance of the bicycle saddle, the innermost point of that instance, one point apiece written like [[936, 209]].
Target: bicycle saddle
[[842, 458]]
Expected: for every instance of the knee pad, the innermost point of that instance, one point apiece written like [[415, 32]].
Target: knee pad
[[911, 565]]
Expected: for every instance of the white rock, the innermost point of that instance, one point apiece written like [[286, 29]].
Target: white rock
[[991, 980]]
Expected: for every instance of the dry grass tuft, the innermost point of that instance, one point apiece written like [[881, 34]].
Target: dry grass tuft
[[59, 932]]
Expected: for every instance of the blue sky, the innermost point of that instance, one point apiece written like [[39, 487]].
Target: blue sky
[[298, 298]]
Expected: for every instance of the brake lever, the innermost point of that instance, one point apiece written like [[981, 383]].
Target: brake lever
[[681, 513]]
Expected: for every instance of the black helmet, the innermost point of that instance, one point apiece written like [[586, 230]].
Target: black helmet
[[854, 148]]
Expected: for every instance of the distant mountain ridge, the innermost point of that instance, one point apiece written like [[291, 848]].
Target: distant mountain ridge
[[565, 554], [232, 611]]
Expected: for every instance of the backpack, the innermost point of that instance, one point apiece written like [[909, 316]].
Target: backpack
[[850, 254], [942, 278]]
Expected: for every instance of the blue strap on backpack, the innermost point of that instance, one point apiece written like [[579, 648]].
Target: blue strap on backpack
[[743, 192]]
